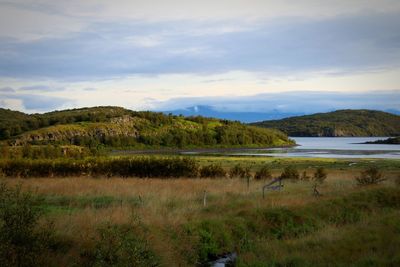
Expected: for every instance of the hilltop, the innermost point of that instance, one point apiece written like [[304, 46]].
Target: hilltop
[[338, 123], [119, 127]]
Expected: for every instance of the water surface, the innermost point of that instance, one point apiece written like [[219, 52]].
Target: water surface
[[322, 147]]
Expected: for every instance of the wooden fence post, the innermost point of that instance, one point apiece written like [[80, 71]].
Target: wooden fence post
[[271, 186], [205, 198]]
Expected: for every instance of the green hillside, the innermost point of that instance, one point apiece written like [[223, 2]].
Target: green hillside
[[118, 127], [339, 123]]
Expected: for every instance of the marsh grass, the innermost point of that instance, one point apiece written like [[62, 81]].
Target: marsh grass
[[290, 227], [372, 241]]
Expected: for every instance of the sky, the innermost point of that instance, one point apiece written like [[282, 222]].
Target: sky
[[254, 55]]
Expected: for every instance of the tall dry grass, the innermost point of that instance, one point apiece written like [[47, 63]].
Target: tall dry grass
[[168, 202], [174, 201], [177, 200]]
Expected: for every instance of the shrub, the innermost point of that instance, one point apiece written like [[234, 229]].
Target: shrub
[[237, 171], [120, 245], [304, 176], [263, 174], [211, 238], [284, 223], [397, 180], [212, 171], [370, 176], [320, 175], [247, 173], [125, 167], [290, 173], [22, 241]]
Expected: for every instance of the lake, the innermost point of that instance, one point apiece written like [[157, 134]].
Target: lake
[[322, 147]]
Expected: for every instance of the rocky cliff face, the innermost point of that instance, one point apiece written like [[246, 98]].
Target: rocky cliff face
[[119, 127]]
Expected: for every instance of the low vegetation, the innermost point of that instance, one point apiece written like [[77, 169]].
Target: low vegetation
[[320, 175], [212, 171], [159, 222], [120, 167], [290, 173], [263, 174], [23, 241], [370, 176]]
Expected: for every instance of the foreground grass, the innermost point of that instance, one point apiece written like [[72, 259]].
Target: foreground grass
[[150, 222], [373, 241]]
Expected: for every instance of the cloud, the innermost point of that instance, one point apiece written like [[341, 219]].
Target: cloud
[[89, 89], [29, 22], [290, 102], [41, 88], [43, 103], [31, 102], [161, 10], [7, 90], [342, 44]]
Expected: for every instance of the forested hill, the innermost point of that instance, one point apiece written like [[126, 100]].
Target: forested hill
[[339, 123], [119, 127]]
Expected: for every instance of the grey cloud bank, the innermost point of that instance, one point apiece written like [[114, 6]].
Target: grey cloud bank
[[108, 50], [33, 102]]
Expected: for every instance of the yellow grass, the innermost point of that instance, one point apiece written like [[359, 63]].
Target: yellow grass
[[175, 200], [170, 202]]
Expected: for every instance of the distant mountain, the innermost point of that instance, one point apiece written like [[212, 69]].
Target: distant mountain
[[393, 111], [242, 116], [339, 123], [119, 127]]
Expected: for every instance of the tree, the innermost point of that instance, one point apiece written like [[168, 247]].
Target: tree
[[5, 133]]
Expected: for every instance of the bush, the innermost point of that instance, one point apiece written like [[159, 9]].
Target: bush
[[397, 180], [120, 245], [22, 241], [212, 171], [263, 174], [290, 173], [370, 176], [211, 238], [284, 223], [320, 175], [304, 176], [237, 171], [125, 167]]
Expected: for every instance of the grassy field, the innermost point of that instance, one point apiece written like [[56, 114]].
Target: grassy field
[[275, 163], [163, 222]]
